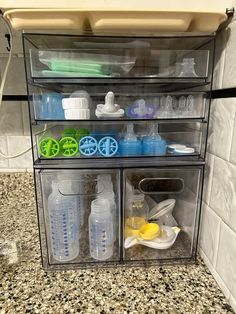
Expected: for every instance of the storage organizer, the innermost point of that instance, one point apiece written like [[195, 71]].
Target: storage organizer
[[119, 128]]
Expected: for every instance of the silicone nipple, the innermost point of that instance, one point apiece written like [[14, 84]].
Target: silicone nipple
[[109, 105], [153, 133], [130, 135]]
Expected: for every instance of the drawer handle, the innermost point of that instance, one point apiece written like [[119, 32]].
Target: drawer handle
[[161, 185], [80, 188]]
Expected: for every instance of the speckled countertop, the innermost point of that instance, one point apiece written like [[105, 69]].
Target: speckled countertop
[[26, 288]]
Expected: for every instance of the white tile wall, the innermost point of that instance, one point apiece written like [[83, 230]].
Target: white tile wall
[[229, 77], [3, 149], [25, 117], [14, 121], [209, 235], [218, 249], [11, 121], [221, 127], [233, 146], [217, 277], [223, 191], [219, 59], [15, 82], [208, 178], [226, 258], [18, 144]]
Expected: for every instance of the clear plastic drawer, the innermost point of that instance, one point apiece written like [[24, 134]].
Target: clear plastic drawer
[[161, 213], [79, 216], [118, 140], [119, 63], [116, 102], [64, 58]]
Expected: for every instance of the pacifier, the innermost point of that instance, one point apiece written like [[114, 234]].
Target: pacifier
[[109, 109]]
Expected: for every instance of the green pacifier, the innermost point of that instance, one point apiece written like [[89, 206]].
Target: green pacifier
[[49, 147], [68, 146]]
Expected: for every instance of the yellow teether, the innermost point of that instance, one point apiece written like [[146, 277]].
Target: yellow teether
[[149, 231]]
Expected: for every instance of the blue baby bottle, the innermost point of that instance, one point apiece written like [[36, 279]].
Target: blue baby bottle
[[130, 145], [49, 106], [153, 144]]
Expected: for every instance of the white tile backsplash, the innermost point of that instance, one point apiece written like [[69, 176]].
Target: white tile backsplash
[[232, 157], [11, 122], [229, 74], [221, 127], [223, 191], [17, 144], [220, 184], [17, 44], [226, 258], [208, 178], [3, 149], [25, 117], [217, 277], [15, 82], [209, 233], [219, 59]]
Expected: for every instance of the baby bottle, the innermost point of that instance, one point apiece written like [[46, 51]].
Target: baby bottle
[[63, 224], [100, 230], [105, 190], [153, 145], [137, 214], [130, 145]]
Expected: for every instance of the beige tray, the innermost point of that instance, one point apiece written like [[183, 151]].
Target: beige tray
[[115, 21]]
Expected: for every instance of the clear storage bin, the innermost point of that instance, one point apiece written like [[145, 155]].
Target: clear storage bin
[[99, 63], [65, 199], [117, 140], [134, 103], [168, 229], [74, 58]]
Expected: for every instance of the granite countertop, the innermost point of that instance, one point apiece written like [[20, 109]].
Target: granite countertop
[[26, 288]]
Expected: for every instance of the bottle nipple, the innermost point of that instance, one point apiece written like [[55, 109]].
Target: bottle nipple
[[109, 105], [130, 135], [153, 133]]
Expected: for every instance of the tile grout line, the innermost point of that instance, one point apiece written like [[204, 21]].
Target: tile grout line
[[221, 219]]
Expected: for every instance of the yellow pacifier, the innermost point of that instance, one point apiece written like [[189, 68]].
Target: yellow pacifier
[[149, 231]]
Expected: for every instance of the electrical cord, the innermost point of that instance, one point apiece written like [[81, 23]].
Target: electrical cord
[[3, 84]]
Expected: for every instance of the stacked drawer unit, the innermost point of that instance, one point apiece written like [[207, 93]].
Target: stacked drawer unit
[[119, 131]]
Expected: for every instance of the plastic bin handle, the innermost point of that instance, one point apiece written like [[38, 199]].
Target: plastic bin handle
[[161, 186]]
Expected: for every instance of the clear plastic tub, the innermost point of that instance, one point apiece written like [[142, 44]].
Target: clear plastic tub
[[64, 234], [110, 140], [98, 63], [173, 105]]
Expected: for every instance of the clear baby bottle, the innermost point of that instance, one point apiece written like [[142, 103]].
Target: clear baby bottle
[[63, 224], [130, 145], [136, 214], [188, 69], [100, 230], [105, 190]]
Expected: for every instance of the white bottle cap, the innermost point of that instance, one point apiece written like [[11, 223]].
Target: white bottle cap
[[77, 114], [75, 103]]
